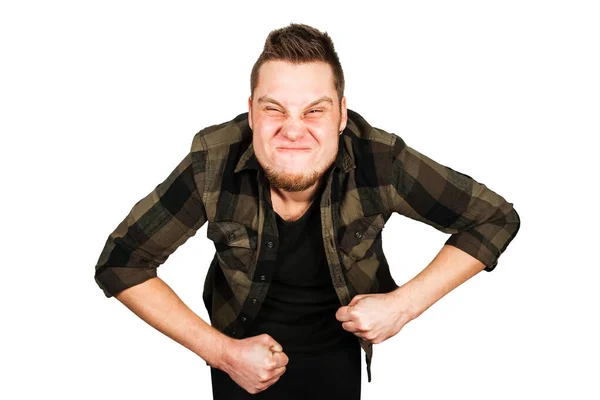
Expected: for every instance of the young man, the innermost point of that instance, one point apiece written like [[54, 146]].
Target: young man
[[296, 193]]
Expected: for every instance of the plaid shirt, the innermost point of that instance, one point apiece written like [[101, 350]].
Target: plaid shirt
[[374, 175]]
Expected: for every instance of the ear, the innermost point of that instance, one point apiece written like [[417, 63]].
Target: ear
[[250, 111], [344, 116]]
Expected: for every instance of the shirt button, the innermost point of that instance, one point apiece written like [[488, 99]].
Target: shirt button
[[270, 244], [231, 237], [263, 278], [243, 319], [358, 234], [254, 301]]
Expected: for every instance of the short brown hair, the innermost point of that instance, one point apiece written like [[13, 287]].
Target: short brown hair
[[299, 43]]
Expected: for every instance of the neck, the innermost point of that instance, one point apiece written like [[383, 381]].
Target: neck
[[302, 197]]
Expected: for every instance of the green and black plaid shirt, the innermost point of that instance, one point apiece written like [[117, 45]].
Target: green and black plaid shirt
[[374, 175]]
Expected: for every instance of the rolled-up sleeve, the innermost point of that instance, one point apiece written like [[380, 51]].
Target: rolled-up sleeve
[[154, 228], [481, 222]]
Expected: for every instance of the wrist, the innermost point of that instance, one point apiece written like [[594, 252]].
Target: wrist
[[406, 303], [219, 352]]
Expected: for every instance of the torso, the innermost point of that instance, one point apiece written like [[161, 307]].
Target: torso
[[301, 304], [299, 313]]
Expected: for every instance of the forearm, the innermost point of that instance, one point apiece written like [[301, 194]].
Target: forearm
[[157, 304], [449, 269]]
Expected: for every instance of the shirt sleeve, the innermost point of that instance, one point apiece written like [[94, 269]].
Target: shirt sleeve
[[481, 222], [154, 228]]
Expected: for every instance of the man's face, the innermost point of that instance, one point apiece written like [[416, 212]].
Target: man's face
[[296, 118]]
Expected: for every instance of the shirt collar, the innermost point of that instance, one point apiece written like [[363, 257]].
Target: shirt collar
[[247, 160]]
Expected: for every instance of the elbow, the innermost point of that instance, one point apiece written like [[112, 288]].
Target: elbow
[[515, 221], [512, 224], [113, 280]]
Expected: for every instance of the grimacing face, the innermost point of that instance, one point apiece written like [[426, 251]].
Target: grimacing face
[[296, 120]]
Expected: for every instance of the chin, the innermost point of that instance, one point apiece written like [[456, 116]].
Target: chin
[[292, 182]]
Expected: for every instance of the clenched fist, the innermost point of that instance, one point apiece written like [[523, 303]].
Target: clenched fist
[[373, 317], [255, 363]]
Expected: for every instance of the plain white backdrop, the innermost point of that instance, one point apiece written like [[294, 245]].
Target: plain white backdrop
[[100, 100]]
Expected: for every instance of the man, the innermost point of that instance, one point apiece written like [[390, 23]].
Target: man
[[296, 193]]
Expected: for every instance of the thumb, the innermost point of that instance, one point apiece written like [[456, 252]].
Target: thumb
[[272, 343], [276, 348]]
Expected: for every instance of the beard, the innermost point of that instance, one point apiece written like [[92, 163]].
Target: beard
[[295, 182]]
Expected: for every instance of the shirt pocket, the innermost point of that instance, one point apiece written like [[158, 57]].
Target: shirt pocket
[[235, 244], [356, 238]]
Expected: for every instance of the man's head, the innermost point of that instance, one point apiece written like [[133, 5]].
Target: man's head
[[297, 106]]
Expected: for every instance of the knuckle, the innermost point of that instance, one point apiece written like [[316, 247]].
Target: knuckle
[[264, 377], [266, 337], [260, 388]]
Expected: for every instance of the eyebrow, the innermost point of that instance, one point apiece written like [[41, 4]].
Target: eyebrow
[[267, 99]]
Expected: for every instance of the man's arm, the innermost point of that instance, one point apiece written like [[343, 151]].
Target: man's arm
[[377, 317], [481, 222], [254, 363], [157, 304], [154, 228], [482, 225]]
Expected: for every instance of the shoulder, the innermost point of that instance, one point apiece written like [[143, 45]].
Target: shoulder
[[364, 139], [360, 130], [234, 131]]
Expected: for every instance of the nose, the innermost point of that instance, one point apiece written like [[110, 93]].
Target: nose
[[293, 129]]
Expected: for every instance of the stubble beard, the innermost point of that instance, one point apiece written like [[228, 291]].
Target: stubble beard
[[295, 182]]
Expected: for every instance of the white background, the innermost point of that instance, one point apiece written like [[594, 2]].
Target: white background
[[100, 100]]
